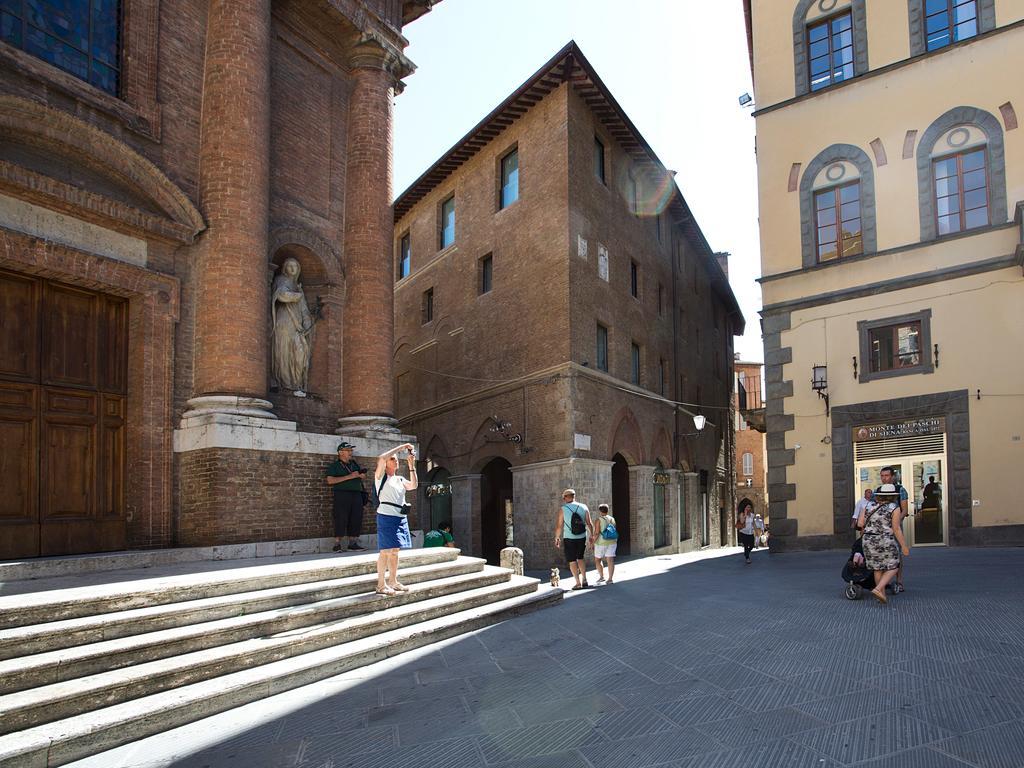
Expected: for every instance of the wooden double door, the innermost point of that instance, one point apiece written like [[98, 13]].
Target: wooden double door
[[63, 386]]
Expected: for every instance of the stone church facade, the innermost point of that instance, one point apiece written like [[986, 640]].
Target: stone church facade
[[159, 163], [560, 320]]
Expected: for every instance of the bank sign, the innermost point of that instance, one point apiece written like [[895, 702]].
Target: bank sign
[[894, 429]]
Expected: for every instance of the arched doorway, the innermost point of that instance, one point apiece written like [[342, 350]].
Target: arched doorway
[[439, 497], [495, 493], [620, 502], [660, 520]]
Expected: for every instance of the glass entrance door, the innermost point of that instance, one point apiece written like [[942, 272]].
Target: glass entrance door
[[924, 479]]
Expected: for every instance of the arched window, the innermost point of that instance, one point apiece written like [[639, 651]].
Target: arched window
[[748, 464], [837, 206], [830, 42], [937, 23], [961, 176]]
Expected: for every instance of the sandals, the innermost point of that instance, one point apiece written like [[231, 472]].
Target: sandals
[[399, 587], [387, 591], [880, 597]]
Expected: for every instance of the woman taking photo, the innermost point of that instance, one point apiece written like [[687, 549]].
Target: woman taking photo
[[392, 516]]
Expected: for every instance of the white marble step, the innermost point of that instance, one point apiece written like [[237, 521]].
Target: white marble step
[[65, 664], [88, 733], [56, 604], [53, 635], [47, 703]]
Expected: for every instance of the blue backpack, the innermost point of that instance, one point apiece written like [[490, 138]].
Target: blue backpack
[[609, 533]]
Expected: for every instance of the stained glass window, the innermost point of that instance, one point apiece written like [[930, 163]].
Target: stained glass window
[[82, 37]]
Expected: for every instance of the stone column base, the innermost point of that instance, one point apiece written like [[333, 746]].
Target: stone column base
[[229, 404], [383, 427]]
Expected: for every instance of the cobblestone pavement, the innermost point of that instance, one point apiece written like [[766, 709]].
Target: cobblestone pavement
[[683, 662]]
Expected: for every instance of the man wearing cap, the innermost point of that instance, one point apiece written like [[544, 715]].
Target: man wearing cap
[[345, 477]]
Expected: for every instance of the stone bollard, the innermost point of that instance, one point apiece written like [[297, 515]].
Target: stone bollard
[[512, 558]]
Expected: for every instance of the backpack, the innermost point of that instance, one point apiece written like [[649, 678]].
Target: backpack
[[609, 533], [576, 524]]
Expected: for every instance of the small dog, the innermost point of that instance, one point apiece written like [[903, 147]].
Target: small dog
[[555, 577]]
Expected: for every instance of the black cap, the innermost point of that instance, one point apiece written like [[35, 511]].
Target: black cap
[[343, 445]]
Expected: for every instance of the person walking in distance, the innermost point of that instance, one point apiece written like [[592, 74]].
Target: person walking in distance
[[392, 516], [745, 527], [345, 477], [573, 529], [604, 546]]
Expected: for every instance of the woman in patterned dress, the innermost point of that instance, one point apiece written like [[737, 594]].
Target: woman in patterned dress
[[883, 541]]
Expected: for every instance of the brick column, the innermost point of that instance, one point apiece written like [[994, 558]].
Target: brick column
[[231, 285], [367, 377]]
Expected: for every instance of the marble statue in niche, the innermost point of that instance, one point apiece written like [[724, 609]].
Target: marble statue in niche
[[293, 329]]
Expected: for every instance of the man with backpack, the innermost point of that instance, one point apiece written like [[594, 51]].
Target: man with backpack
[[573, 530]]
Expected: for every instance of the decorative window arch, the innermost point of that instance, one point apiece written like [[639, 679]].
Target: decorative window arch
[[834, 166], [958, 129], [808, 12], [986, 21]]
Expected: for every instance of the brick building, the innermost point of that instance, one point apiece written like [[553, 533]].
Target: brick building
[[159, 162], [751, 455], [554, 300]]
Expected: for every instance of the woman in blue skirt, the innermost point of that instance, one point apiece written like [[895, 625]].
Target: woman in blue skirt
[[392, 521]]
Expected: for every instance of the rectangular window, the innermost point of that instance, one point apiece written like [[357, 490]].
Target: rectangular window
[[602, 348], [448, 222], [486, 273], [634, 280], [830, 51], [837, 222], [82, 38], [404, 256], [634, 356], [748, 464], [946, 21], [428, 305], [510, 178], [895, 346], [599, 160], [961, 191]]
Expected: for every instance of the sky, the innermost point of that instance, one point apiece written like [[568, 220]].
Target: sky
[[677, 68]]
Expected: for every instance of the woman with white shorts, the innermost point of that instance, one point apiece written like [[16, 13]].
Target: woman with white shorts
[[604, 548]]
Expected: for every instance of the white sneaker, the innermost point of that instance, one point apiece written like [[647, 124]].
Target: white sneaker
[[601, 580]]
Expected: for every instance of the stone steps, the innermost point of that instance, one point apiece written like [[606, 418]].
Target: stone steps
[[85, 668], [85, 734], [38, 638], [74, 602]]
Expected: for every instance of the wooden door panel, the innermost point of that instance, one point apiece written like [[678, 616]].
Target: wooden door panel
[[69, 460], [113, 345], [112, 458], [19, 466], [70, 336], [19, 331]]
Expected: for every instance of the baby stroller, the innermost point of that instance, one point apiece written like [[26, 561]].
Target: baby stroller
[[856, 573]]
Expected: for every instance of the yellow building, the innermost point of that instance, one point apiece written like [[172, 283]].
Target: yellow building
[[891, 190]]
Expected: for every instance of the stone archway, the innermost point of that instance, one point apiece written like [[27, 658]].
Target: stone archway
[[620, 502], [495, 492]]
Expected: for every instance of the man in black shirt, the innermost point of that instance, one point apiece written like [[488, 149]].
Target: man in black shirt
[[345, 477]]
